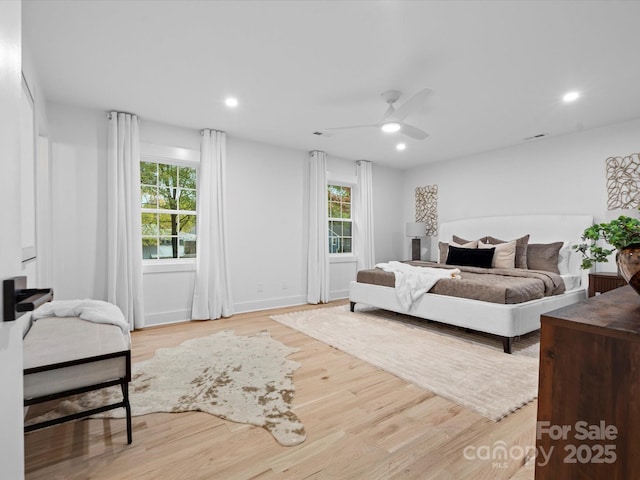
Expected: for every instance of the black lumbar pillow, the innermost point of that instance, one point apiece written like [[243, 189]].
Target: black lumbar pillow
[[470, 257]]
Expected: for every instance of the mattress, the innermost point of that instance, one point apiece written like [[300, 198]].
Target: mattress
[[74, 339], [503, 286]]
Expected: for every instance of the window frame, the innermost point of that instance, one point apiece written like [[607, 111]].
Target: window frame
[[342, 256], [181, 157]]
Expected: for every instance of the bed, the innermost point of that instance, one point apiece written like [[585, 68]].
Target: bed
[[506, 320]]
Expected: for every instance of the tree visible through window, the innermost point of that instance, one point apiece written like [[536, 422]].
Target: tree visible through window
[[168, 201], [339, 202]]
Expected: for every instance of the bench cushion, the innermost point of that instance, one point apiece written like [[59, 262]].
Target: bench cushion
[[53, 340]]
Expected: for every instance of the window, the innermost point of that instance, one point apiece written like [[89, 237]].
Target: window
[[339, 202], [168, 201]]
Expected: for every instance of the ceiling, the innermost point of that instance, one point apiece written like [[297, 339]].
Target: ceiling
[[498, 69]]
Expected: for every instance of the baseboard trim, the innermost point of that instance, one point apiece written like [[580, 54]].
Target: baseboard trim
[[179, 316], [254, 306], [166, 318]]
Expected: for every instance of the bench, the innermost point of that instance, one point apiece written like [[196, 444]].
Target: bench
[[66, 356]]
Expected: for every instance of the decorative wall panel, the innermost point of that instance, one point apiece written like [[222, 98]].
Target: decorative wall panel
[[427, 208], [623, 182]]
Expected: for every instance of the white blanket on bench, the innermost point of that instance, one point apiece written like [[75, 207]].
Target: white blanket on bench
[[95, 311]]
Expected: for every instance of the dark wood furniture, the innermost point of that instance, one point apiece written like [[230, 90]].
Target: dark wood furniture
[[589, 386], [604, 281]]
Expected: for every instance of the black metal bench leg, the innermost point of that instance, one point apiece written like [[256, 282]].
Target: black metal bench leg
[[352, 306], [127, 407]]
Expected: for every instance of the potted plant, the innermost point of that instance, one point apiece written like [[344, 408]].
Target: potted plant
[[623, 234]]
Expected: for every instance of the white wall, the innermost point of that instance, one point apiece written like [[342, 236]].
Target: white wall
[[11, 439], [388, 219], [79, 207], [564, 174]]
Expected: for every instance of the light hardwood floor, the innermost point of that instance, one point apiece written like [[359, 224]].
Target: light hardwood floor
[[361, 423]]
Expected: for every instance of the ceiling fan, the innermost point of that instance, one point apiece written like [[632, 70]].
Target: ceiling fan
[[393, 118]]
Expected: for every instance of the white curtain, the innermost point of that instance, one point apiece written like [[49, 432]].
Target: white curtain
[[212, 293], [318, 260], [124, 237], [364, 216]]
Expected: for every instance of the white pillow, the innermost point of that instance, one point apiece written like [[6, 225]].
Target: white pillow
[[563, 258], [504, 256], [473, 244]]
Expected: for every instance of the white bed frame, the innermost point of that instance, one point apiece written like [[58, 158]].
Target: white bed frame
[[506, 321]]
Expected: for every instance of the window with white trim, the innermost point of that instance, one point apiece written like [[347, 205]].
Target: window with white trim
[[340, 225], [168, 201]]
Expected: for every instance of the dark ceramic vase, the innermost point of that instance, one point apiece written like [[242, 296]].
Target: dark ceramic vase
[[628, 260]]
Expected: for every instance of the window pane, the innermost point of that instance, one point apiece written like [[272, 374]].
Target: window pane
[[346, 229], [346, 194], [333, 245], [148, 173], [187, 224], [149, 197], [149, 224], [187, 177], [149, 248], [168, 223], [334, 210], [167, 175], [346, 245], [187, 200], [187, 247], [346, 210], [168, 247], [167, 198]]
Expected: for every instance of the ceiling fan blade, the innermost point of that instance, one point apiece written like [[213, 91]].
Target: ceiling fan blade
[[413, 104], [413, 132], [353, 126], [390, 111]]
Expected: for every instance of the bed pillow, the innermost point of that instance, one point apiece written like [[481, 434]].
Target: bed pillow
[[521, 249], [444, 248], [462, 241], [470, 257], [544, 256], [504, 255]]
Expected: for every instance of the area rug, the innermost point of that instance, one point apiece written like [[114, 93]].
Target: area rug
[[246, 379], [469, 369]]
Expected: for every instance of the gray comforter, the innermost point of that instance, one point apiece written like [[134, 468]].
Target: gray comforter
[[496, 285]]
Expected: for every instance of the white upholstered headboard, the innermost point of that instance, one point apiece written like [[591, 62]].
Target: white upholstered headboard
[[541, 229]]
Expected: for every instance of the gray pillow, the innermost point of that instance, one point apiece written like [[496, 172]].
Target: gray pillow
[[544, 256], [462, 241], [521, 249]]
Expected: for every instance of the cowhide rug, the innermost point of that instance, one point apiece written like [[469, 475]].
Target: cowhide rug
[[246, 379]]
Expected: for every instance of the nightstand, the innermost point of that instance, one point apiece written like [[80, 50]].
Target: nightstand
[[603, 282]]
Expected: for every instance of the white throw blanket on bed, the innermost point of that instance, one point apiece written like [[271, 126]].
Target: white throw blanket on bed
[[413, 282], [95, 311]]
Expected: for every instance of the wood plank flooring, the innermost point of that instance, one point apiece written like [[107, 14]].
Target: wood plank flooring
[[361, 423]]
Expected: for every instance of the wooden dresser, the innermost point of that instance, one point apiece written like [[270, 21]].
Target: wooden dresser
[[603, 282], [589, 389]]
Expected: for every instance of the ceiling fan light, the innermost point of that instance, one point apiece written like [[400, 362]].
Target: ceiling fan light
[[391, 127], [401, 146]]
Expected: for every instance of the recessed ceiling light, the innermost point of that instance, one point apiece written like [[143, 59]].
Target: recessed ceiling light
[[231, 102], [571, 96], [391, 127], [401, 146]]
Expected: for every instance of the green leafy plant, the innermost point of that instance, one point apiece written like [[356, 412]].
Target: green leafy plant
[[619, 233]]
